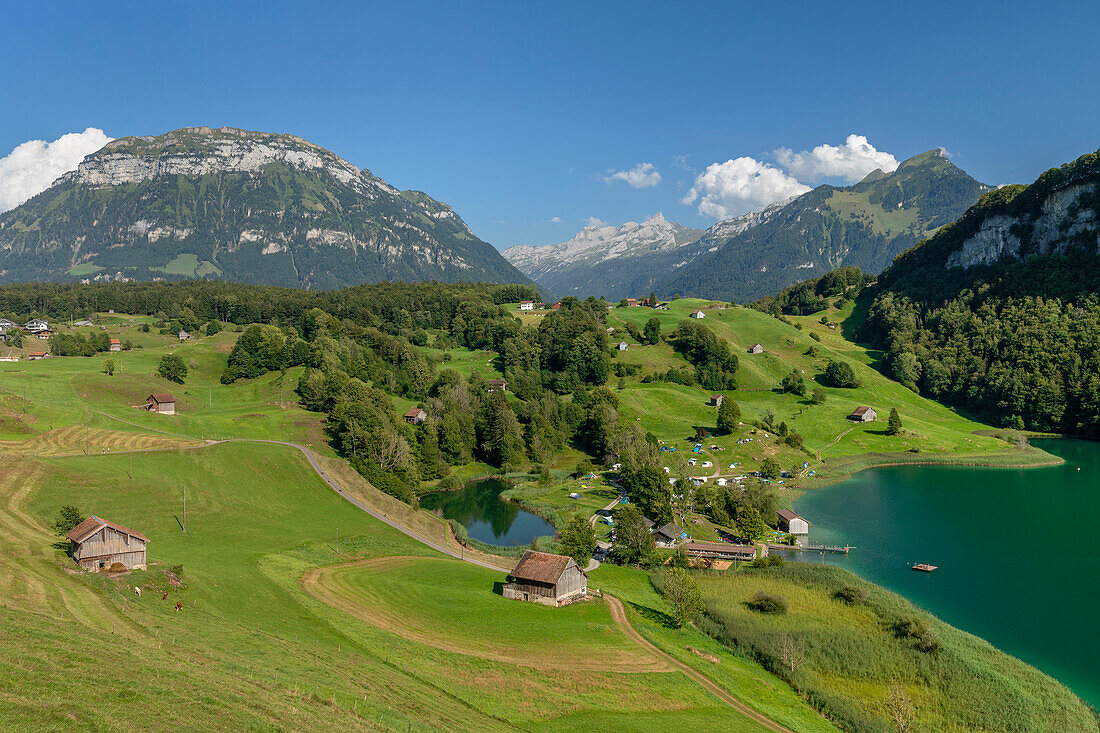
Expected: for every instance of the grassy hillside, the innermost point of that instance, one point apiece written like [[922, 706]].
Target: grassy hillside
[[851, 654]]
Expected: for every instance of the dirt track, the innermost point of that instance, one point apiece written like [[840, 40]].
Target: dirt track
[[330, 585]]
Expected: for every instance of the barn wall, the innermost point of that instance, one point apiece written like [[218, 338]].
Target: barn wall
[[571, 581]]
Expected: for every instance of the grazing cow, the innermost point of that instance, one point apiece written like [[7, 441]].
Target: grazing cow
[[179, 606], [165, 596], [137, 591]]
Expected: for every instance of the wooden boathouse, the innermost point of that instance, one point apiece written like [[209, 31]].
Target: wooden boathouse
[[540, 577]]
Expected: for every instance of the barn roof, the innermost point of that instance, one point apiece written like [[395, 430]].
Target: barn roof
[[860, 411], [162, 397], [115, 341], [669, 530], [787, 514], [541, 567], [93, 524], [414, 412]]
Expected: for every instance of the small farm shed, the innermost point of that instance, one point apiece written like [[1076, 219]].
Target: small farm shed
[[32, 355], [716, 400], [623, 346], [720, 551], [495, 384], [756, 349], [698, 314], [116, 345], [161, 402], [416, 416], [183, 335], [97, 544], [632, 302], [544, 578], [791, 522], [863, 414]]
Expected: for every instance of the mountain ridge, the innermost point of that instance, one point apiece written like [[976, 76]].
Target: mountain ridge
[[864, 225], [248, 206]]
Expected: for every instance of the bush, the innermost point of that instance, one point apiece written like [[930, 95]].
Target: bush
[[769, 603], [770, 561], [840, 374], [173, 368], [853, 595]]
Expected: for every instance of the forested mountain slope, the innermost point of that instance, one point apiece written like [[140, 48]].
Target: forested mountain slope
[[244, 206], [865, 225], [999, 312]]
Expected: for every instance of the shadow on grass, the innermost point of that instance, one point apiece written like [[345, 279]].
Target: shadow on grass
[[498, 587], [61, 545], [653, 615]]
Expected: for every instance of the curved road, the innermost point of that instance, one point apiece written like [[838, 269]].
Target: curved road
[[618, 612]]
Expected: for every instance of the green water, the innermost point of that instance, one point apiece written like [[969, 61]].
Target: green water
[[1019, 564], [487, 517]]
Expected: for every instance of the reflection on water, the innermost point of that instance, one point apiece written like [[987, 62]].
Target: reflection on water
[[487, 517]]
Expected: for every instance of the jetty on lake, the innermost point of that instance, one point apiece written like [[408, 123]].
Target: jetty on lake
[[925, 567]]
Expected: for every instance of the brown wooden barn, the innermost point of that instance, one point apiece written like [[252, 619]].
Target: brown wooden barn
[[97, 544], [544, 578], [161, 402]]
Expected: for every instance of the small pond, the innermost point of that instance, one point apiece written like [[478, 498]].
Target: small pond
[[486, 517]]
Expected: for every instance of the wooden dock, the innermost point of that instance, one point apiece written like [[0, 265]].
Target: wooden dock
[[925, 567], [814, 548]]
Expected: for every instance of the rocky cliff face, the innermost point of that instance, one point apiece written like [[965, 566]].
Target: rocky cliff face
[[247, 206], [1065, 218]]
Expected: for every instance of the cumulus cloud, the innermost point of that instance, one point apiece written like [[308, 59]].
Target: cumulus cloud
[[740, 185], [555, 220], [593, 221], [32, 166], [851, 161], [643, 175]]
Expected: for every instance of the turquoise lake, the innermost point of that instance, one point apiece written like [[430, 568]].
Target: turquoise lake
[[1019, 564]]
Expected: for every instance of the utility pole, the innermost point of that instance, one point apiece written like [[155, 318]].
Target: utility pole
[[185, 510], [337, 540], [131, 465]]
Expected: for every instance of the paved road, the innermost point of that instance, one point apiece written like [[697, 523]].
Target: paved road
[[618, 613]]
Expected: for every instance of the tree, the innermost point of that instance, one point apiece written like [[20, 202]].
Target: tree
[[819, 396], [578, 540], [109, 367], [68, 517], [388, 448], [750, 524], [633, 542], [840, 374], [899, 708], [793, 383], [683, 593], [173, 368], [652, 331], [213, 327], [791, 654], [893, 425], [770, 468], [729, 414]]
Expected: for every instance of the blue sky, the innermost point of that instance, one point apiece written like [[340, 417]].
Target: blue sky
[[516, 113]]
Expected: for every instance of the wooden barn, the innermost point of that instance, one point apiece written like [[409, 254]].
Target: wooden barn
[[863, 414], [96, 544], [161, 402], [544, 578], [416, 415]]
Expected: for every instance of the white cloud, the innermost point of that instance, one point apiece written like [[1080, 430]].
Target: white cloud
[[643, 175], [555, 220], [740, 185], [31, 167], [593, 221], [851, 161]]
